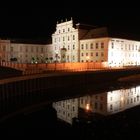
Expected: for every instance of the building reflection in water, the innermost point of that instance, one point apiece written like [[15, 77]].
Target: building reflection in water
[[105, 103]]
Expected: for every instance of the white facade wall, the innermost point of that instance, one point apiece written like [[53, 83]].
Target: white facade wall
[[94, 50], [4, 50], [25, 53], [66, 110], [122, 52], [65, 43]]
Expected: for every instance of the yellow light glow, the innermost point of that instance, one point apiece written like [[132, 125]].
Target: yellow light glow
[[87, 106], [122, 98], [87, 57]]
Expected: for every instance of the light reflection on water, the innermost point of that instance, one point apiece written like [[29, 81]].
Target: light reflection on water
[[105, 103]]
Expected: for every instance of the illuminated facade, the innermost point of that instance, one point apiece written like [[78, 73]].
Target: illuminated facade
[[75, 43], [105, 103], [66, 110], [25, 53], [81, 43]]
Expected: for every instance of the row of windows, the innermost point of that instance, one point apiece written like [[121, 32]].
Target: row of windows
[[127, 47], [32, 49], [129, 101], [73, 47], [92, 60], [63, 30], [64, 38], [90, 46], [91, 54], [126, 54]]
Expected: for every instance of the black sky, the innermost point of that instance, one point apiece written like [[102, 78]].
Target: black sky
[[39, 23]]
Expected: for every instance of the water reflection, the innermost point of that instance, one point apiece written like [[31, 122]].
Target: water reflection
[[105, 103]]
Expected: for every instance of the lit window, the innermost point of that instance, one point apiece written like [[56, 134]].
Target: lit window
[[86, 46], [73, 37], [91, 46], [82, 46], [96, 53], [102, 45], [96, 45], [73, 47], [102, 54]]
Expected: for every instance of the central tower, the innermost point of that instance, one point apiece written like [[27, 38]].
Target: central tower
[[65, 42]]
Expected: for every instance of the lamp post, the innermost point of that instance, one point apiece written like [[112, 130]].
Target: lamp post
[[56, 56], [87, 58]]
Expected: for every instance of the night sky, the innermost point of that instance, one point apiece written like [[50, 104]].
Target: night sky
[[39, 23]]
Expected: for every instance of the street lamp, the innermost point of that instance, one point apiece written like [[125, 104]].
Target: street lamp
[[87, 58]]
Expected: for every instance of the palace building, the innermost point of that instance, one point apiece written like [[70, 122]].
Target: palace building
[[75, 43]]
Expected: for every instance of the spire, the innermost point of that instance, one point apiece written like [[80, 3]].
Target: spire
[[66, 19], [71, 18]]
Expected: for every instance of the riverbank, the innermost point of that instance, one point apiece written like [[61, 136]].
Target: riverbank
[[131, 78]]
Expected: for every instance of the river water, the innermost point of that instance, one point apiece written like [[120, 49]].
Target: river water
[[112, 113]]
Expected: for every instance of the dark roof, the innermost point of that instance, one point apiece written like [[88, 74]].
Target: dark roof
[[110, 32], [31, 41]]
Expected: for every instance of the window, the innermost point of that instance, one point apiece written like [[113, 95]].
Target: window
[[96, 105], [32, 49], [111, 107], [73, 47], [82, 46], [96, 45], [91, 53], [63, 30], [96, 53], [26, 49], [73, 37], [73, 57], [102, 45], [42, 50], [68, 47], [68, 29], [63, 38], [20, 48], [102, 54], [91, 46], [86, 54], [112, 45], [86, 46], [11, 49], [68, 57], [68, 38], [59, 31], [37, 49], [73, 108], [82, 54]]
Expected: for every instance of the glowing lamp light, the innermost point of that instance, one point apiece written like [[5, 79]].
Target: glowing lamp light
[[87, 107], [122, 98]]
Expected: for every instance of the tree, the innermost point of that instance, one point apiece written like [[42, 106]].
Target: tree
[[51, 59]]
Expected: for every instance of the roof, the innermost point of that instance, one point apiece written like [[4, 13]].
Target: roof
[[109, 32]]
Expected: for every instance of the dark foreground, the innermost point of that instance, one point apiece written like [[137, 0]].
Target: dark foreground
[[44, 124]]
